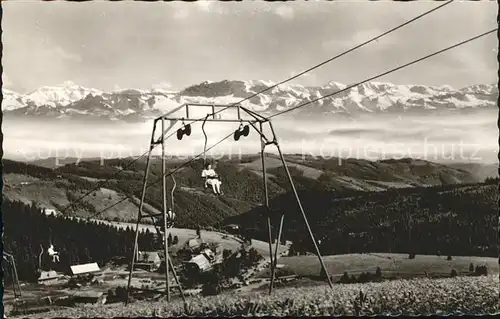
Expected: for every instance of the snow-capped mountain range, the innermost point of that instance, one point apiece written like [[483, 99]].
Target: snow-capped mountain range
[[73, 101]]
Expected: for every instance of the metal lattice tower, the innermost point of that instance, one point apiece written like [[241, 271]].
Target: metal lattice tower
[[237, 114]]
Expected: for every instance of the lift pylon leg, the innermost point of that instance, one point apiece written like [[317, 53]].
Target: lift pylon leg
[[164, 196], [178, 283], [311, 235], [135, 250], [266, 206], [168, 262], [265, 141], [276, 251]]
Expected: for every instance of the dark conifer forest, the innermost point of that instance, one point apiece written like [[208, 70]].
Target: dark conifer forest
[[26, 227], [460, 220]]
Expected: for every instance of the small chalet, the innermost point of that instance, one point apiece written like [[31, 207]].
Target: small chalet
[[148, 260], [199, 263], [48, 277], [203, 261], [85, 269], [210, 255], [90, 297], [50, 211]]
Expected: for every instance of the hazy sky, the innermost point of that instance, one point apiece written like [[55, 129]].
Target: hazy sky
[[110, 45]]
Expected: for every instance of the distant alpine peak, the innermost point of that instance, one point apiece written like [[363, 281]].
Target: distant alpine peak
[[60, 95], [335, 85], [68, 86], [70, 100], [261, 82]]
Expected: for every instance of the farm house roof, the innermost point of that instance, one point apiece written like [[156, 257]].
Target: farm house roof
[[200, 261], [208, 253], [47, 275], [84, 268], [49, 211]]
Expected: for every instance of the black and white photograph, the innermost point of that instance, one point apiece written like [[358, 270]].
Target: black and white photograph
[[250, 158]]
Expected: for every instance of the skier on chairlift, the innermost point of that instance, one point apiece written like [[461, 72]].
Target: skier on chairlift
[[170, 218], [158, 221], [53, 253], [211, 178]]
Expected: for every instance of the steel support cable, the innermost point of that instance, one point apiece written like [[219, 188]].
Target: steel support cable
[[329, 95], [385, 73], [102, 183], [337, 92], [367, 80], [166, 175], [332, 59], [276, 85]]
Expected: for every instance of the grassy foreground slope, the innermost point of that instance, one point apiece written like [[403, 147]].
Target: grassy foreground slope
[[459, 295]]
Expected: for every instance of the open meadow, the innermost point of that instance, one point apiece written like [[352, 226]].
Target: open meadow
[[391, 265]]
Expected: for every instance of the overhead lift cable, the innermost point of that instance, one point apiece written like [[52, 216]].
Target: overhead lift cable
[[318, 99], [331, 59], [102, 183], [166, 175], [346, 52], [275, 142], [271, 87], [385, 73]]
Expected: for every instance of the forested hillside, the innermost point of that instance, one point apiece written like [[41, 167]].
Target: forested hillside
[[454, 220], [194, 205]]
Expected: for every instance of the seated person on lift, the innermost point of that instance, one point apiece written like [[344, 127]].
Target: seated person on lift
[[53, 253], [211, 178], [170, 220]]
